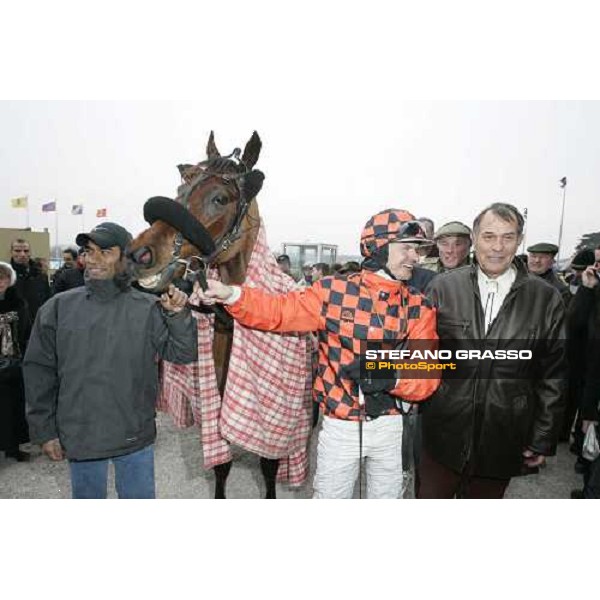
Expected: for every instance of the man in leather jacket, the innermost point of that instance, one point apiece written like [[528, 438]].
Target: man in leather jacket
[[499, 417], [32, 284]]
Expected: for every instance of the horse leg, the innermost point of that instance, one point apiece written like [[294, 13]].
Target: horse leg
[[221, 473], [269, 467], [221, 351]]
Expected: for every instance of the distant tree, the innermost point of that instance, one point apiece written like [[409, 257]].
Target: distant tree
[[588, 240]]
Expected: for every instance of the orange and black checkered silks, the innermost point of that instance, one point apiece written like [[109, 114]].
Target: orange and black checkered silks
[[345, 311], [381, 228]]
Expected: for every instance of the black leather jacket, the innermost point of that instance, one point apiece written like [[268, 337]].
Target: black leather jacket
[[485, 422]]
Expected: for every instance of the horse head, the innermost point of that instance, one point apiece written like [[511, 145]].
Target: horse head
[[210, 222]]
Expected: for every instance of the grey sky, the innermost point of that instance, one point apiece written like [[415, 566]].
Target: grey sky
[[328, 166]]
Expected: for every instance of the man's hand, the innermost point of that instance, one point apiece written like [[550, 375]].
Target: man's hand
[[216, 292], [531, 459], [53, 450], [173, 300], [589, 278], [585, 425]]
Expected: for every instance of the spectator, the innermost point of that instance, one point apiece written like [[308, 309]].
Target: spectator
[[540, 262], [32, 285], [69, 262], [586, 306], [71, 277], [283, 260], [91, 370], [453, 241], [500, 418], [14, 331], [318, 271], [351, 266], [307, 274], [346, 310], [41, 264]]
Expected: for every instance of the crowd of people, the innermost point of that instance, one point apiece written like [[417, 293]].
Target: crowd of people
[[63, 340]]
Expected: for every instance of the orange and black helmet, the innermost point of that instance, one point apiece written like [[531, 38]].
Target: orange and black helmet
[[387, 226]]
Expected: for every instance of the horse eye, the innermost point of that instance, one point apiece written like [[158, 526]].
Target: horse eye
[[220, 200]]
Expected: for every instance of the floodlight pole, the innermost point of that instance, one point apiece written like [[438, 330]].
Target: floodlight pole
[[563, 182]]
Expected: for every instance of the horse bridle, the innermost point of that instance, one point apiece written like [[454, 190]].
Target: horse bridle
[[231, 235]]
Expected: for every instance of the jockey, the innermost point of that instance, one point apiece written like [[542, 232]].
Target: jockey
[[375, 304]]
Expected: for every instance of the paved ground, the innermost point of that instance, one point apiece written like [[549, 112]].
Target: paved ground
[[179, 473]]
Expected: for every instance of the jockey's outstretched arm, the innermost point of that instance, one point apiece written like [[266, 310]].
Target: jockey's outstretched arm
[[296, 311]]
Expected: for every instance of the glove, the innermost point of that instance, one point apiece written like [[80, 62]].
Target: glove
[[368, 384], [378, 403]]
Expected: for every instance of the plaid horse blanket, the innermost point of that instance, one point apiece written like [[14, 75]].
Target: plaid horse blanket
[[266, 405]]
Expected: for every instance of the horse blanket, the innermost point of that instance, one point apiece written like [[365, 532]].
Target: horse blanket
[[266, 405]]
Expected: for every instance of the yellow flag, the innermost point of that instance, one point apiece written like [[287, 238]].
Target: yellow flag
[[19, 202]]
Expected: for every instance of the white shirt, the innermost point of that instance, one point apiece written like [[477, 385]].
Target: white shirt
[[493, 293]]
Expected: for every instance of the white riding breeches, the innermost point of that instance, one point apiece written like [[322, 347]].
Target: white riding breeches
[[338, 455]]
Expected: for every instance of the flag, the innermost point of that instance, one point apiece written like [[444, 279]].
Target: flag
[[77, 209], [19, 202], [563, 182], [49, 206], [100, 213]]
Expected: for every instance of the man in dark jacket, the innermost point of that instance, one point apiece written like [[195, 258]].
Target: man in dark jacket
[[584, 327], [32, 284], [483, 428], [91, 370], [71, 277], [540, 261]]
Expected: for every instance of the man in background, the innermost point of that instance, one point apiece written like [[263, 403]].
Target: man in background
[[32, 285]]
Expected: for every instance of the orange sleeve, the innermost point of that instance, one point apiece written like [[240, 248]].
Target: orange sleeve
[[415, 390], [299, 310]]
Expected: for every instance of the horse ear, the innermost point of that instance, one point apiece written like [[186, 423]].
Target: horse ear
[[211, 147], [252, 184], [252, 151]]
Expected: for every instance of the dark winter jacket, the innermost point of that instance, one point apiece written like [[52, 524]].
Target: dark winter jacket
[[486, 420], [563, 289], [67, 279], [32, 286], [584, 332], [91, 368]]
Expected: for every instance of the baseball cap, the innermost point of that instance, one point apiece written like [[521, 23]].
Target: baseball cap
[[106, 235]]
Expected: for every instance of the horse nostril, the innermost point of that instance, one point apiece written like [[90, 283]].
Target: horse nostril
[[143, 256]]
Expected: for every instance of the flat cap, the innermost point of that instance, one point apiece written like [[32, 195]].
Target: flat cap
[[543, 248], [452, 228]]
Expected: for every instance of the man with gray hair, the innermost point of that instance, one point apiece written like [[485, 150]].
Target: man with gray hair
[[496, 418]]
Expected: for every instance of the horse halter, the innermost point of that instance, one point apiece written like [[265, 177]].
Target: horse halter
[[231, 235]]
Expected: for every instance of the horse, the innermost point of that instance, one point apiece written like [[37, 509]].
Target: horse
[[212, 224]]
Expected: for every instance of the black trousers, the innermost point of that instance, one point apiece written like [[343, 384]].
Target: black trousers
[[438, 481]]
